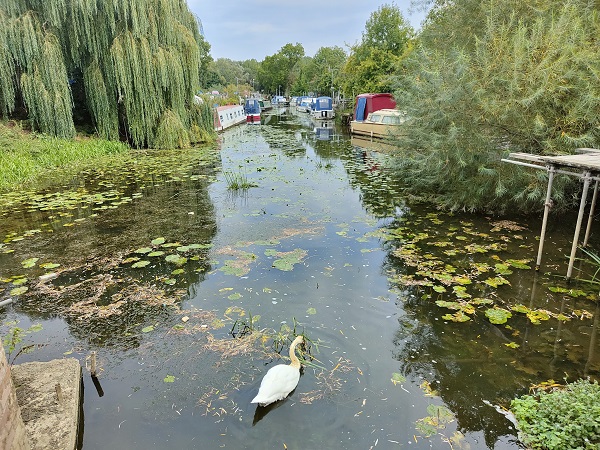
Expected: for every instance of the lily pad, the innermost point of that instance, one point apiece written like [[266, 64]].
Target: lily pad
[[169, 379], [176, 259], [19, 290], [498, 315], [140, 264], [158, 241], [143, 250], [49, 265], [29, 263]]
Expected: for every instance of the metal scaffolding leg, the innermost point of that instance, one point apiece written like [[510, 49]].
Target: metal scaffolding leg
[[547, 207], [591, 215], [586, 185]]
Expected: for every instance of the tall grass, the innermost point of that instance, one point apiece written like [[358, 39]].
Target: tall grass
[[25, 157]]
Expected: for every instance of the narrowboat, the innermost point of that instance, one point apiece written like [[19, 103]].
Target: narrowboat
[[322, 108], [379, 124], [228, 116], [252, 110]]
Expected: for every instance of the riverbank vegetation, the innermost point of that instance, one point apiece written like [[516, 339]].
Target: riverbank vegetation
[[26, 158]]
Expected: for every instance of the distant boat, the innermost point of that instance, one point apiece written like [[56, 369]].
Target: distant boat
[[379, 124], [265, 104], [322, 108], [228, 116], [252, 110], [305, 104], [280, 100]]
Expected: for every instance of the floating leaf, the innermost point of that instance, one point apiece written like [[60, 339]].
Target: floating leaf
[[156, 253], [458, 316], [235, 296], [498, 315], [49, 265], [19, 281], [519, 263], [512, 345], [28, 263], [143, 250], [170, 281], [397, 378], [177, 272], [19, 290], [311, 311], [148, 329], [183, 248], [140, 264], [158, 241], [496, 281], [169, 379], [176, 259], [130, 259]]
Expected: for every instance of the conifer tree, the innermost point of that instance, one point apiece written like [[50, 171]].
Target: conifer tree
[[139, 62]]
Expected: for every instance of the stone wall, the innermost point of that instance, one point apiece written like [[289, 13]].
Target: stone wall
[[12, 429]]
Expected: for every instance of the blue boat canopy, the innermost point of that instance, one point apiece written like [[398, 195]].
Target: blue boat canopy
[[252, 106], [323, 104]]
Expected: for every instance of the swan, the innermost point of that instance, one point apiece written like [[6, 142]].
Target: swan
[[281, 379]]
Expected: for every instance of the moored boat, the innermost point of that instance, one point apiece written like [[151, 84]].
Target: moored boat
[[252, 110], [228, 116], [379, 124], [368, 103], [322, 108]]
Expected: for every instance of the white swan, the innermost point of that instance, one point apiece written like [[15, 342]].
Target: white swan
[[280, 380]]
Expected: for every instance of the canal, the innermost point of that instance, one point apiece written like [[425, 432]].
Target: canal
[[189, 272]]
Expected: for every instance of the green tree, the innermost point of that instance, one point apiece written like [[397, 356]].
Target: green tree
[[138, 60], [275, 69], [325, 69], [387, 40], [527, 82]]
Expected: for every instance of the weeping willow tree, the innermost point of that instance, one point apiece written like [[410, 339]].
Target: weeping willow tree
[[138, 61]]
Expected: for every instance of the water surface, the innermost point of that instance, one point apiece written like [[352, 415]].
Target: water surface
[[159, 260]]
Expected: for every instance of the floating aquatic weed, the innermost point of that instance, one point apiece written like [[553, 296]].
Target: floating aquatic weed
[[287, 260], [439, 416], [497, 315]]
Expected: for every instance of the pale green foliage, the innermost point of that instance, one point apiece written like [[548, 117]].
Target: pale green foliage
[[525, 83], [139, 59], [386, 41]]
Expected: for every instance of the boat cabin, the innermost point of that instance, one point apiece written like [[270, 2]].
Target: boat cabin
[[368, 103], [322, 108], [252, 110]]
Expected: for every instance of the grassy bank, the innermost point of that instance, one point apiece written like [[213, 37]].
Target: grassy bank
[[25, 157]]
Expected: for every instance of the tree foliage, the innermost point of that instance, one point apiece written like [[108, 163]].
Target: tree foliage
[[275, 69], [386, 41], [140, 63], [526, 81]]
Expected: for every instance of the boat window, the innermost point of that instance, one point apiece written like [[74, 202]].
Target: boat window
[[375, 118], [323, 103], [393, 120]]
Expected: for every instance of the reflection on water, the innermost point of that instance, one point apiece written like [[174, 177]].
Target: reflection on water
[[417, 318]]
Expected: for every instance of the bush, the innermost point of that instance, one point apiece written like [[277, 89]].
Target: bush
[[567, 418]]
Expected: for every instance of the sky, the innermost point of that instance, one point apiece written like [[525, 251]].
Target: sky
[[253, 29]]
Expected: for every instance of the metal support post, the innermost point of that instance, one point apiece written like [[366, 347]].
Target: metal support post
[[547, 207], [591, 215], [586, 185]]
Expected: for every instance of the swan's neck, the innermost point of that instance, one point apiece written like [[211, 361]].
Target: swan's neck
[[295, 361]]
